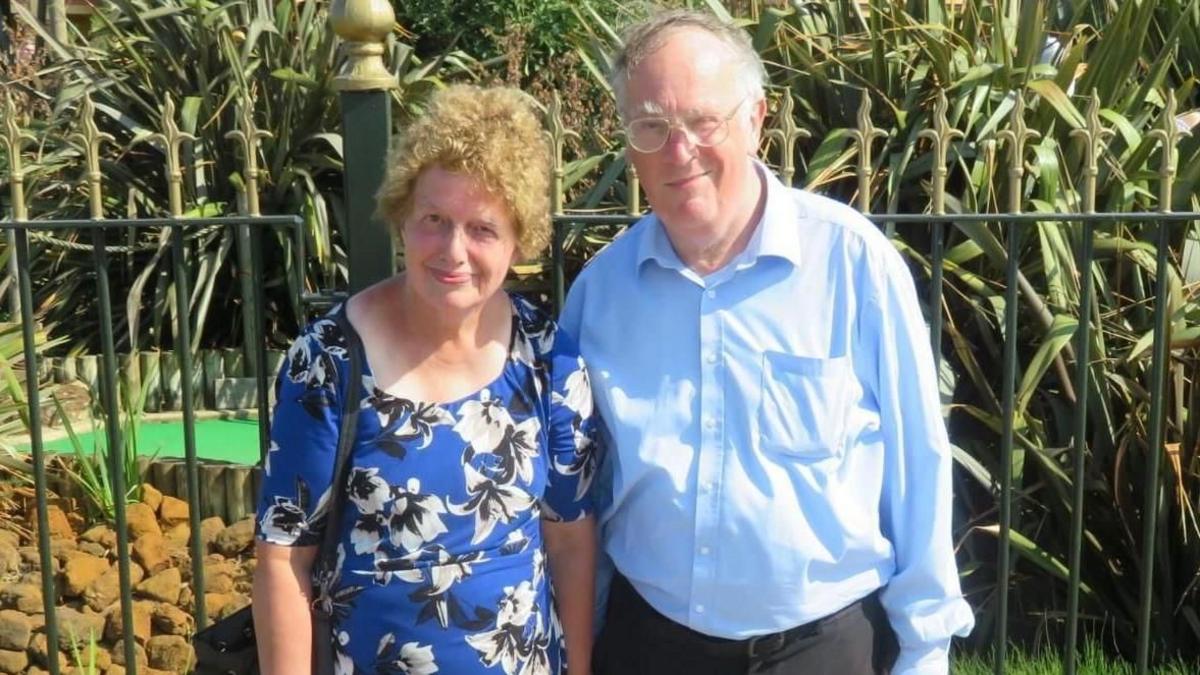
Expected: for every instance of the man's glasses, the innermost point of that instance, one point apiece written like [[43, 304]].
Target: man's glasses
[[649, 134]]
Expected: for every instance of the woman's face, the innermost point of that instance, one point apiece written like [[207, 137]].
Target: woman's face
[[459, 240]]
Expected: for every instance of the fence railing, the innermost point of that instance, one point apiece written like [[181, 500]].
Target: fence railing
[[1070, 355]]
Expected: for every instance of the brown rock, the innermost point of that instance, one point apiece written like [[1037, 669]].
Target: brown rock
[[13, 662], [10, 558], [163, 586], [92, 548], [173, 511], [9, 537], [56, 518], [141, 519], [169, 652], [171, 620], [209, 528], [178, 535], [100, 534], [78, 627], [34, 670], [214, 603], [15, 630], [150, 551], [237, 602], [151, 496], [80, 571], [31, 558], [218, 583], [62, 549], [139, 655], [40, 655], [25, 598], [236, 538], [114, 626], [106, 589]]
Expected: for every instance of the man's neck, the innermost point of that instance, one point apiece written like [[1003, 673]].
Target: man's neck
[[707, 252]]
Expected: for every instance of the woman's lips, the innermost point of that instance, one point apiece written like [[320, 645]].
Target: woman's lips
[[450, 277]]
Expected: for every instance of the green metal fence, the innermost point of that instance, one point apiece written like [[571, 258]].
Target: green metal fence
[[364, 85]]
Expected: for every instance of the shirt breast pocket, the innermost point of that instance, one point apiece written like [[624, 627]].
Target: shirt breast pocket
[[802, 409]]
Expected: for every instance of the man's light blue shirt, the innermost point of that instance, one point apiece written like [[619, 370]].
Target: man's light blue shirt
[[776, 444]]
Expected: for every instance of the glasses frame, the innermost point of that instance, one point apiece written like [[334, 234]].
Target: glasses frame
[[676, 123]]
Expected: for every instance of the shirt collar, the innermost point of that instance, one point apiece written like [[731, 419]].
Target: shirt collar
[[777, 234]]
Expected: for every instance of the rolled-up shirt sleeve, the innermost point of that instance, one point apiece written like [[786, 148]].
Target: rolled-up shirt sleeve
[[923, 599]]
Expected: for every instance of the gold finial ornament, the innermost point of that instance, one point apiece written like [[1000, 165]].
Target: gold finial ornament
[[1169, 135], [90, 139], [1016, 136], [248, 136], [14, 138], [364, 25], [864, 136], [1094, 136], [942, 134], [172, 139], [556, 133], [786, 133]]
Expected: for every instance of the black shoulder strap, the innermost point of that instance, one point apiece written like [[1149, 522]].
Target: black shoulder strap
[[327, 554]]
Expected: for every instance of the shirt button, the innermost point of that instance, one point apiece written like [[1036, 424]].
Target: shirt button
[[704, 550], [710, 423], [711, 357], [699, 609], [706, 487], [710, 294]]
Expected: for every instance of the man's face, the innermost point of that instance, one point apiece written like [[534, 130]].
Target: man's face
[[694, 188]]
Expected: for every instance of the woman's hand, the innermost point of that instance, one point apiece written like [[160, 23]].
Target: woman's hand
[[571, 553]]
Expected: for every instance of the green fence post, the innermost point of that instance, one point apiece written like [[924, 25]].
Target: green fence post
[[363, 84]]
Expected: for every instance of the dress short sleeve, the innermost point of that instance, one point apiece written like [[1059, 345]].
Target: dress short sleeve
[[572, 447], [298, 469]]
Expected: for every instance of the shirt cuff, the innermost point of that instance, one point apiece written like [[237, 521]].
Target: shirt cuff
[[926, 658]]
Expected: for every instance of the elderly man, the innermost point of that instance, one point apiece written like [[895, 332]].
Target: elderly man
[[779, 474]]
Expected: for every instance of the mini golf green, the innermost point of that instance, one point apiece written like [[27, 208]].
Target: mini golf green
[[219, 439]]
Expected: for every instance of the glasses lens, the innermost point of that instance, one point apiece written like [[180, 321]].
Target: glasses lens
[[707, 129], [649, 134]]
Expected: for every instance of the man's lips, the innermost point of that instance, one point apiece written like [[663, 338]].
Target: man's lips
[[684, 182]]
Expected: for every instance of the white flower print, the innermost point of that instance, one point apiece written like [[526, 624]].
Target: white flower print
[[271, 449], [415, 518], [283, 522], [482, 423], [366, 490], [491, 502], [403, 568], [517, 450], [367, 533], [506, 644], [410, 659], [342, 663], [577, 392], [515, 542]]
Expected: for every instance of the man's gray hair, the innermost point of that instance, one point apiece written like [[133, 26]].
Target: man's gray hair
[[646, 37]]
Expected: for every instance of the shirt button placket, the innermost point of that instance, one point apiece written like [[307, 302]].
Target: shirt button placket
[[711, 451]]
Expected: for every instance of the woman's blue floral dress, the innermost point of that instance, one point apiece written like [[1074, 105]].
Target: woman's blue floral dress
[[440, 567]]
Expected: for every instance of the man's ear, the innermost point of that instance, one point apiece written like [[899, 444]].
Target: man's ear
[[758, 114]]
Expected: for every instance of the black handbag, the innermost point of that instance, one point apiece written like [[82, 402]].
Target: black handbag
[[229, 646]]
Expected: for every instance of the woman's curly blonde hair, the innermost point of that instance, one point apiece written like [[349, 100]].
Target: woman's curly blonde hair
[[489, 133]]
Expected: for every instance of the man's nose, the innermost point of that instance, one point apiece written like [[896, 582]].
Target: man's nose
[[680, 145], [454, 242]]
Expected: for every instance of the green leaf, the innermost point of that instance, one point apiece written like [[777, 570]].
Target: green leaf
[[1055, 339]]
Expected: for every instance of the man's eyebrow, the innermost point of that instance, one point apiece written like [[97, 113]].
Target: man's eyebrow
[[648, 108]]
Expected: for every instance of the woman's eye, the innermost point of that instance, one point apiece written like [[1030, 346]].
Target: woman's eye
[[483, 231]]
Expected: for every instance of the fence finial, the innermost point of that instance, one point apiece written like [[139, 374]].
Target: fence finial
[[364, 25], [1016, 136], [556, 133], [14, 138], [172, 139], [785, 131], [941, 136], [864, 136], [1169, 135], [249, 136], [90, 139], [1094, 136]]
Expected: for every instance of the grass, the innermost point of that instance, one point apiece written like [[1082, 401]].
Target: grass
[[1093, 661]]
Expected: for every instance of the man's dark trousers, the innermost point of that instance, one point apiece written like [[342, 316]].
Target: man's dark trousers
[[637, 640]]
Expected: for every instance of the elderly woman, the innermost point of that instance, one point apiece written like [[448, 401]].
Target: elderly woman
[[475, 440]]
